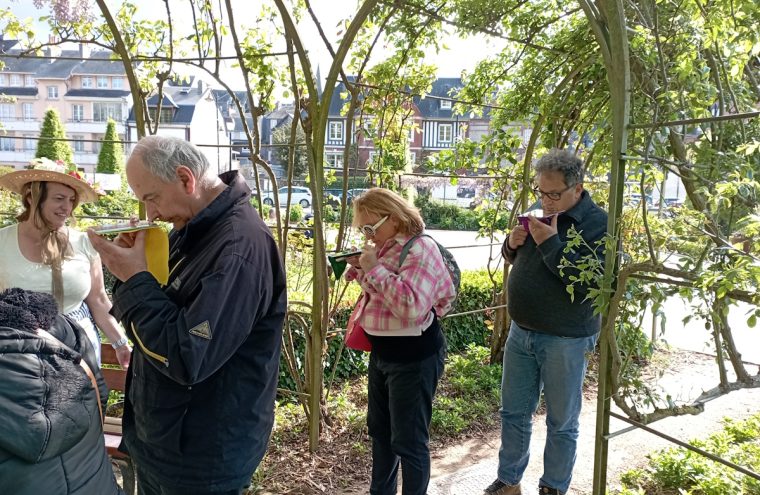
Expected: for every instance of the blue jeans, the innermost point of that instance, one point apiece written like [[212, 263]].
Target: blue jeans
[[534, 361], [400, 405]]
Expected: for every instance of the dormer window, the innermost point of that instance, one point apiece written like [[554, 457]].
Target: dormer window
[[445, 104], [86, 82], [166, 116]]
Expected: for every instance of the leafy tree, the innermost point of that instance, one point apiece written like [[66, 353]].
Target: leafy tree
[[281, 138], [52, 142], [111, 156]]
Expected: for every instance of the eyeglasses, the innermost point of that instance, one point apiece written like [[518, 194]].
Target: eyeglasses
[[554, 196], [371, 230]]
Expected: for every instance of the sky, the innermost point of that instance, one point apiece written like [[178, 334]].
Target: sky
[[462, 54]]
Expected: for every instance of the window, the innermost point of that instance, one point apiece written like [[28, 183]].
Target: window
[[167, 114], [29, 142], [101, 112], [29, 81], [373, 156], [52, 92], [3, 80], [86, 82], [412, 157], [7, 144], [117, 83], [334, 159], [78, 143], [444, 133], [28, 111], [102, 82], [445, 104], [369, 128], [7, 111], [16, 80], [410, 133], [77, 113], [336, 131]]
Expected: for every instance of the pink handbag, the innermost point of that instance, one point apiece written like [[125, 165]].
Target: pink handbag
[[356, 338]]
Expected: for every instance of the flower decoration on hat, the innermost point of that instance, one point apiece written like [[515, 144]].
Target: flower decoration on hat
[[47, 170]]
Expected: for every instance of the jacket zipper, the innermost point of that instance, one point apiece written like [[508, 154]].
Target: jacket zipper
[[148, 352]]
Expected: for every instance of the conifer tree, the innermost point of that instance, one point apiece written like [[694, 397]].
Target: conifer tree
[[54, 147], [111, 156]]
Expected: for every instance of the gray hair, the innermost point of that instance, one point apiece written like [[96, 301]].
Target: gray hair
[[564, 161], [162, 155]]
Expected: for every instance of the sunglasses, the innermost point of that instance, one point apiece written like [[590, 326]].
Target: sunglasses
[[554, 196], [371, 230]]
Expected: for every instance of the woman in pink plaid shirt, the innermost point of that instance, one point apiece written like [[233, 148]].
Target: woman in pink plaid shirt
[[399, 311]]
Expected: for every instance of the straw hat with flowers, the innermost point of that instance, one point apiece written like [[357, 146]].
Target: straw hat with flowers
[[46, 170]]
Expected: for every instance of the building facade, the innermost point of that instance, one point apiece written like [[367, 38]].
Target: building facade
[[85, 88]]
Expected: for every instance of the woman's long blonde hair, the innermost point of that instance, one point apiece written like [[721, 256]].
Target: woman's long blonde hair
[[386, 202], [55, 244]]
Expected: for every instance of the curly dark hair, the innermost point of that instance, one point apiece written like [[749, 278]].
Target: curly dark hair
[[27, 310]]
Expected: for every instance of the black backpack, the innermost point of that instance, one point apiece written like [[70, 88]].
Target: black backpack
[[448, 259]]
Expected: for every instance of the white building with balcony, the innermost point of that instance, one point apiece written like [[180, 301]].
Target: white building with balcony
[[85, 92]]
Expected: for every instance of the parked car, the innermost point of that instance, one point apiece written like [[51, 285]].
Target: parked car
[[673, 202], [299, 196], [333, 197], [354, 193]]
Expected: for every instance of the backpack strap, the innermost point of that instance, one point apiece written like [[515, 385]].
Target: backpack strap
[[408, 246]]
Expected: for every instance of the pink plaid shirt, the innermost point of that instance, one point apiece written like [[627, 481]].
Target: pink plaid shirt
[[396, 301]]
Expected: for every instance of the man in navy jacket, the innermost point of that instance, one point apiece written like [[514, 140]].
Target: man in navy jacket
[[200, 392]]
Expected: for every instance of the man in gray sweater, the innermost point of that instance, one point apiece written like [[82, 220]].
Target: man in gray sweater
[[551, 333]]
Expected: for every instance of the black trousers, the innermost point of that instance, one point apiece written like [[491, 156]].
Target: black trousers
[[149, 485], [400, 397]]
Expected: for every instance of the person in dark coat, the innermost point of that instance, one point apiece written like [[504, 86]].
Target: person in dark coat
[[199, 405], [51, 438]]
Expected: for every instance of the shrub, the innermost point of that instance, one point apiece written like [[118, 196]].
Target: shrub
[[296, 213], [469, 392], [54, 147], [476, 292], [678, 469], [439, 215]]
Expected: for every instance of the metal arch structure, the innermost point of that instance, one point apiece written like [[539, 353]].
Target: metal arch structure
[[607, 21]]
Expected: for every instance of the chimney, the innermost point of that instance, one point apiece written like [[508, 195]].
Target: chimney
[[84, 50], [52, 50], [200, 87]]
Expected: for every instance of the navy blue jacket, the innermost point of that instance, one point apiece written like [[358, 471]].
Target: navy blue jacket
[[537, 292], [201, 387]]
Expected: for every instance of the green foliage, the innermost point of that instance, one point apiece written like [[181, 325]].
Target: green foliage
[[281, 138], [119, 203], [689, 472], [475, 292], [111, 156], [8, 203], [471, 393], [52, 128], [296, 213], [439, 215]]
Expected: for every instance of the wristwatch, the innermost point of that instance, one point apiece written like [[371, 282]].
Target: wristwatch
[[120, 343]]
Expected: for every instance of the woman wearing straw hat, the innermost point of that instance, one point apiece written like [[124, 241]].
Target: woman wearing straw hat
[[40, 253]]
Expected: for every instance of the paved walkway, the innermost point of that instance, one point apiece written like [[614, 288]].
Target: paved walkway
[[466, 469]]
